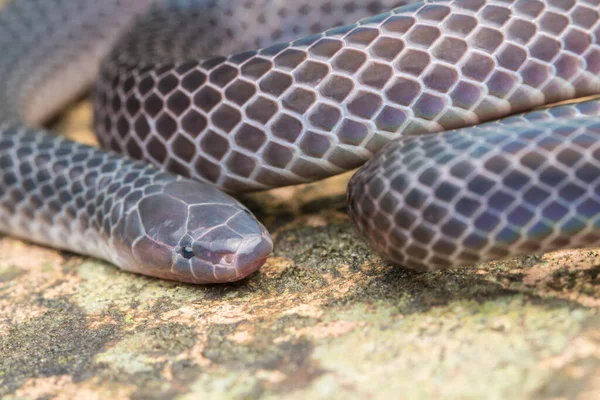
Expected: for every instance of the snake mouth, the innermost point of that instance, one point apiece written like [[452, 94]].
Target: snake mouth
[[249, 269], [251, 254]]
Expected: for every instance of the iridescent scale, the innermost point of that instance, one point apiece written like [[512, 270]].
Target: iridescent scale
[[185, 88]]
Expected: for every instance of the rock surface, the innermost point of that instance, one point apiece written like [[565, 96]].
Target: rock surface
[[324, 318]]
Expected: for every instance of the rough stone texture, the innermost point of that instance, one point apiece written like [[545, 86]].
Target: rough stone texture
[[324, 318]]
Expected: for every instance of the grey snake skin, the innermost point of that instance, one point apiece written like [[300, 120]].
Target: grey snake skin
[[186, 90]]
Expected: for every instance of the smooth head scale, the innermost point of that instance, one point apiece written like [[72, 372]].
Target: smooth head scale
[[191, 232]]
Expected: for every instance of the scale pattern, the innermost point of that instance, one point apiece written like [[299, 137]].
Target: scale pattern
[[59, 193], [302, 110], [317, 106], [63, 194], [242, 122], [485, 192]]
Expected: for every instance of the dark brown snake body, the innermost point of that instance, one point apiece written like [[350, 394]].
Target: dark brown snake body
[[186, 90]]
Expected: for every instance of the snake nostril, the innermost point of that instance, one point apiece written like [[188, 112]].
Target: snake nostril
[[228, 259], [187, 252]]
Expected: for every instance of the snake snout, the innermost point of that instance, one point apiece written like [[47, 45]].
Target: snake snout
[[232, 259], [252, 254]]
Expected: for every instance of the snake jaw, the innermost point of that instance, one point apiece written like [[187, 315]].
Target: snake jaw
[[251, 254]]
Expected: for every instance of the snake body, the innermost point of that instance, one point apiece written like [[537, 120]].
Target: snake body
[[185, 90], [67, 195]]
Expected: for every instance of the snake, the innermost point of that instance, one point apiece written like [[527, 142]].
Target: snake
[[439, 103]]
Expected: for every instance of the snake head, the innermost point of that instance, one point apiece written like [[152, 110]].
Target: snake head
[[192, 232]]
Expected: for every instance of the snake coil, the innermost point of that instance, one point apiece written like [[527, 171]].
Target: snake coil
[[322, 101]]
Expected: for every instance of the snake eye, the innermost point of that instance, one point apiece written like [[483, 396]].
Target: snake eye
[[187, 252]]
